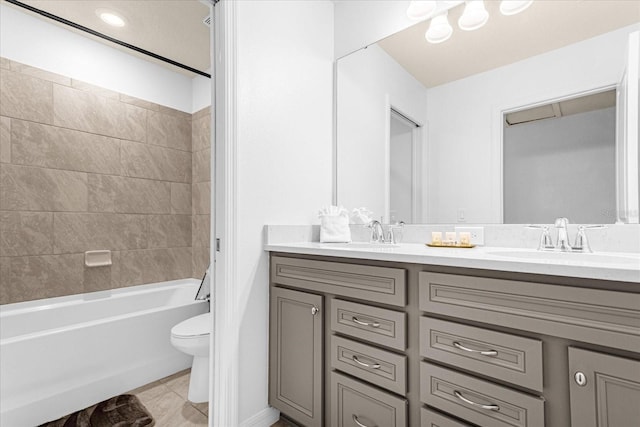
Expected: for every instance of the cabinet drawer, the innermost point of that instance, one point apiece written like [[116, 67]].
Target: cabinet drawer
[[372, 364], [478, 401], [503, 356], [377, 325], [378, 284], [430, 418], [355, 404], [608, 318]]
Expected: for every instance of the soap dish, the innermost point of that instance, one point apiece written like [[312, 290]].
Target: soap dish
[[455, 245]]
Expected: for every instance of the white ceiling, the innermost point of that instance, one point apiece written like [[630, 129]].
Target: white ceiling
[[546, 25], [169, 28]]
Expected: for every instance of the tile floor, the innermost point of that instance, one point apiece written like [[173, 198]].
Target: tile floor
[[166, 399]]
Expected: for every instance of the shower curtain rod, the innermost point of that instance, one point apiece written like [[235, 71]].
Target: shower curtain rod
[[106, 37]]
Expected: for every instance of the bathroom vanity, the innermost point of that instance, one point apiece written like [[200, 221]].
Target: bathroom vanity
[[412, 336]]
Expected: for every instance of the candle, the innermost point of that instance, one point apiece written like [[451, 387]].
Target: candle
[[450, 237], [436, 237], [465, 238]]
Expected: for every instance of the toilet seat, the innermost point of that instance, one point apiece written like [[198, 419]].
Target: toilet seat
[[193, 327]]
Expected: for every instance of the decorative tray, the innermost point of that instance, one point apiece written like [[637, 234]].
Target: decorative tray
[[456, 245]]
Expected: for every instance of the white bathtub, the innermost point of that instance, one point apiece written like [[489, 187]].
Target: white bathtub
[[60, 355]]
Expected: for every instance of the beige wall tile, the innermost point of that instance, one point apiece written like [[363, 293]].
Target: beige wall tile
[[5, 63], [180, 198], [53, 147], [45, 276], [201, 133], [85, 111], [80, 232], [39, 73], [169, 231], [25, 188], [96, 90], [202, 166], [146, 161], [25, 97], [170, 131], [200, 261], [139, 102], [5, 279], [5, 139], [143, 196], [132, 266], [201, 199], [103, 192], [128, 195], [201, 231], [26, 233], [205, 112], [168, 264], [173, 112], [155, 265]]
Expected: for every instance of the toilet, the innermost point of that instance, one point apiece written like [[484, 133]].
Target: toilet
[[191, 336]]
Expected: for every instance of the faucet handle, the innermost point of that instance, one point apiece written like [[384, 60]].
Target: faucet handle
[[582, 243], [545, 238], [391, 234], [561, 222]]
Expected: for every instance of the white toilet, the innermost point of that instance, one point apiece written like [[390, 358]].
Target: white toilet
[[191, 336]]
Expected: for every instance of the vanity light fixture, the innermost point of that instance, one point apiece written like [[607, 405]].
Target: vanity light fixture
[[474, 15], [421, 9], [439, 30], [511, 7], [111, 18]]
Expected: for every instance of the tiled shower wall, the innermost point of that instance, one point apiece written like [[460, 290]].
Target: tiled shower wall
[[84, 168]]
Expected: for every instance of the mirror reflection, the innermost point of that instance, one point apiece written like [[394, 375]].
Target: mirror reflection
[[461, 167]]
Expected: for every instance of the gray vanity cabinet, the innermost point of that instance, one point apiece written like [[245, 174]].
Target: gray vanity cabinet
[[432, 346], [296, 351], [605, 389]]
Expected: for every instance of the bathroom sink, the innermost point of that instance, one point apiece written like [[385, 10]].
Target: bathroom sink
[[534, 255], [361, 245]]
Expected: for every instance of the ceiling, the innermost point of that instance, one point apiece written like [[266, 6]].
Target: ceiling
[[546, 25], [173, 29]]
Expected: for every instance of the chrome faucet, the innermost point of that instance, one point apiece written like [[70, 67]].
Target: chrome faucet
[[563, 237], [581, 243], [377, 232]]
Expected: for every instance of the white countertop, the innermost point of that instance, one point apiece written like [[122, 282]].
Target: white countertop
[[623, 267]]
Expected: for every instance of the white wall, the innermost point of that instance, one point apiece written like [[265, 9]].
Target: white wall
[[40, 43], [284, 81], [463, 135], [572, 161], [369, 82]]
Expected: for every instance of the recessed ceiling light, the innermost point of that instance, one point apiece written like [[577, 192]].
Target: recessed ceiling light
[[111, 18]]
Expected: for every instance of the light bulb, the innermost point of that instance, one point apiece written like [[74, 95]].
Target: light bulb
[[110, 18], [420, 9], [511, 7], [474, 16], [439, 29]]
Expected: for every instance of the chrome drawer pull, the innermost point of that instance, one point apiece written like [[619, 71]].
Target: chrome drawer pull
[[355, 420], [366, 365], [360, 322], [457, 394], [456, 344]]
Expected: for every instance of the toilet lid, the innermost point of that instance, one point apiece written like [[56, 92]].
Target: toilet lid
[[195, 326]]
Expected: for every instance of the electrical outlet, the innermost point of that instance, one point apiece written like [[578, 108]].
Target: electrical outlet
[[477, 234], [461, 216]]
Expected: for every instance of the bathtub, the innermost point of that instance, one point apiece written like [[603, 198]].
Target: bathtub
[[63, 354]]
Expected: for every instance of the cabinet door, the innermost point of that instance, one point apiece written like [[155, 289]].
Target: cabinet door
[[296, 351], [605, 390]]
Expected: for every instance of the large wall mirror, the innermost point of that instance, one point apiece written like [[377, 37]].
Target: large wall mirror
[[526, 119]]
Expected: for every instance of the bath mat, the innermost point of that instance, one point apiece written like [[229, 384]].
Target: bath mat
[[120, 411]]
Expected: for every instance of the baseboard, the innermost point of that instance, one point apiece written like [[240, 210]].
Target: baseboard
[[264, 418]]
